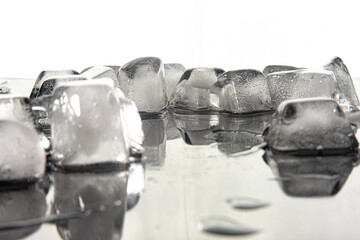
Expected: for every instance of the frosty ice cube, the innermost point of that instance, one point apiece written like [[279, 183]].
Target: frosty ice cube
[[193, 90], [311, 126], [278, 68], [97, 72], [301, 84], [22, 156], [100, 198], [348, 97], [20, 206], [310, 176], [45, 75], [173, 73], [87, 124], [142, 80], [242, 91]]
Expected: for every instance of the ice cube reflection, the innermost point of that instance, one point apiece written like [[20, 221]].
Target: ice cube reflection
[[105, 191], [310, 176]]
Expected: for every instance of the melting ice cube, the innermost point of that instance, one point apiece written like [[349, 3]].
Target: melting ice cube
[[301, 84], [45, 75], [142, 80], [309, 126], [193, 90], [242, 91], [87, 125], [348, 97], [173, 73]]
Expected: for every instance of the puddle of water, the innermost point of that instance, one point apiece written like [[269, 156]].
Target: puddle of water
[[224, 226], [246, 203]]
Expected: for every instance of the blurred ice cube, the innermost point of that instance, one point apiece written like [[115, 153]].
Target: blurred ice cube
[[97, 72], [301, 84], [278, 68], [193, 90], [142, 80], [135, 184], [348, 97], [45, 75], [311, 126], [87, 124], [22, 156], [242, 91], [4, 88], [16, 109], [173, 73]]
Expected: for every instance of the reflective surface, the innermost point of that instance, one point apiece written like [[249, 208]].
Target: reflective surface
[[197, 169]]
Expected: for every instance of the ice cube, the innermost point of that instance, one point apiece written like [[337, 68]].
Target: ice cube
[[16, 109], [278, 68], [98, 198], [132, 125], [301, 84], [19, 206], [311, 126], [142, 80], [155, 141], [97, 72], [310, 176], [48, 86], [173, 73], [45, 75], [22, 156], [4, 88], [87, 124], [348, 97], [243, 91], [193, 90]]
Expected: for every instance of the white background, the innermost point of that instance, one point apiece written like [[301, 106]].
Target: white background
[[38, 35]]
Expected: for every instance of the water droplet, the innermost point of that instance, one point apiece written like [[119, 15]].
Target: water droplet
[[224, 226], [246, 203]]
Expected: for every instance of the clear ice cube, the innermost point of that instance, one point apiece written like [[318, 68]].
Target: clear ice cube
[[87, 124], [142, 80], [278, 68], [301, 84], [242, 91], [193, 90], [47, 74], [22, 156], [173, 73], [348, 97], [311, 126], [310, 176]]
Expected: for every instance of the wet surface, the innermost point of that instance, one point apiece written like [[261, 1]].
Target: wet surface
[[202, 177]]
